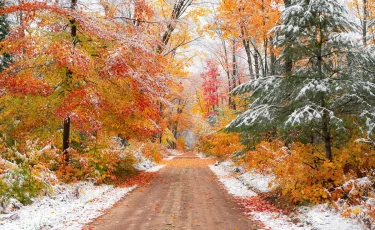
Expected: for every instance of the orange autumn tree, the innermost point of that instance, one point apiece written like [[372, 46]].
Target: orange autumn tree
[[102, 75], [250, 22]]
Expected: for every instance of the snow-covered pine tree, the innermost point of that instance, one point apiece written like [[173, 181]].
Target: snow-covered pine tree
[[326, 90], [5, 59]]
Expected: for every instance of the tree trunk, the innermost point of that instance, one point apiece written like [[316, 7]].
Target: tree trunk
[[246, 44], [273, 58], [234, 70], [227, 71], [327, 135], [364, 23], [262, 66], [160, 135], [179, 9], [66, 134], [234, 65], [265, 46], [288, 60], [256, 65], [69, 79], [265, 72], [325, 118], [229, 90]]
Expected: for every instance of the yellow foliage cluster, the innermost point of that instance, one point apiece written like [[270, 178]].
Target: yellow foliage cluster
[[302, 173], [181, 145], [153, 151], [220, 144], [100, 166]]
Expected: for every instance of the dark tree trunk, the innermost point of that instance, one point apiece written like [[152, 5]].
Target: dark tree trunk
[[288, 59], [265, 47], [265, 72], [327, 135], [179, 9], [246, 44], [234, 71], [66, 135], [273, 58], [325, 118], [227, 71], [68, 82], [364, 23], [257, 74]]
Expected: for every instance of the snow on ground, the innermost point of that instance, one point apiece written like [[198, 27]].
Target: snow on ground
[[318, 217], [201, 155], [234, 186], [71, 207], [155, 168], [174, 152], [257, 181], [169, 158], [143, 163], [324, 218]]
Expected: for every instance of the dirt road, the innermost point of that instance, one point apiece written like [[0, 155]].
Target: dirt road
[[185, 195]]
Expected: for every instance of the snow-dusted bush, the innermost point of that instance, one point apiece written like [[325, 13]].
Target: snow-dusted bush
[[25, 176]]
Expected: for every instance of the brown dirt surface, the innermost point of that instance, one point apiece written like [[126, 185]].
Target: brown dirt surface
[[184, 195]]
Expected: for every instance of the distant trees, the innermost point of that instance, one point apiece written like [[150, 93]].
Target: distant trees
[[211, 87]]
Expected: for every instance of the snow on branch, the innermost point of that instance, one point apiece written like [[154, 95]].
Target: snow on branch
[[315, 85], [369, 117], [309, 113], [257, 115], [345, 39], [264, 83]]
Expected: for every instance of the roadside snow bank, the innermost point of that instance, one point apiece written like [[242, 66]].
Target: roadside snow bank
[[318, 217], [324, 218], [234, 186], [174, 152], [169, 158], [143, 163], [155, 168], [146, 164], [72, 206], [257, 181]]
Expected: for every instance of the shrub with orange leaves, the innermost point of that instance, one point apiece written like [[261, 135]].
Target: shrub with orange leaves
[[153, 151], [220, 144], [181, 145], [98, 165], [302, 173]]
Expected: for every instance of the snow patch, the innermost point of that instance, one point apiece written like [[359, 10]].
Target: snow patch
[[169, 158], [174, 152], [143, 163], [323, 218], [234, 186], [257, 181], [318, 217], [155, 168], [71, 207]]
